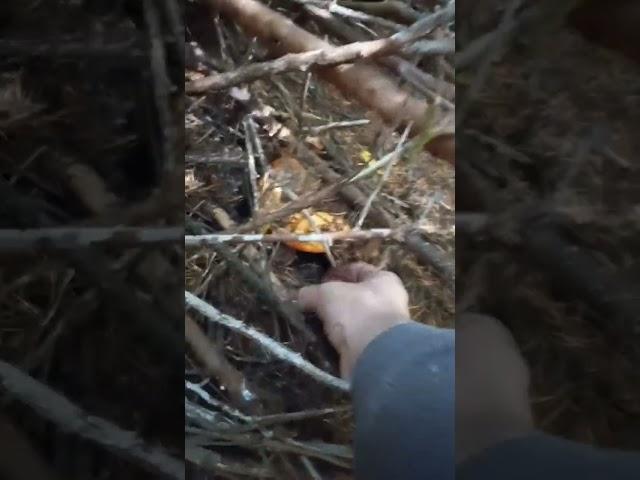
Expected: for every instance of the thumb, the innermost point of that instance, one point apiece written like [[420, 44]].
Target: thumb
[[309, 298]]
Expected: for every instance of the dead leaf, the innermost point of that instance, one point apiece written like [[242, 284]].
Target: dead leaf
[[288, 172]]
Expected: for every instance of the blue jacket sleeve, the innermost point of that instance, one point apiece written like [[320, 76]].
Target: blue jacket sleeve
[[542, 456], [403, 394]]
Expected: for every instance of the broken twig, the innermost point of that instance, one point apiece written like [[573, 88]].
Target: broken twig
[[330, 237], [269, 344], [330, 56], [214, 362]]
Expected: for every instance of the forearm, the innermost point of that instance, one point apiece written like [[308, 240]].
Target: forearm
[[403, 391]]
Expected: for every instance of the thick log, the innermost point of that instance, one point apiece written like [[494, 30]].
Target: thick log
[[363, 82]]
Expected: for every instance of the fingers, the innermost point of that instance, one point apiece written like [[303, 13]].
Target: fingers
[[309, 298], [351, 273]]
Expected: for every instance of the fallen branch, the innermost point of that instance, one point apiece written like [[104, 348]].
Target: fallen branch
[[197, 413], [269, 344], [363, 82], [363, 17], [331, 56], [71, 238], [432, 257], [428, 254], [333, 125], [71, 418], [443, 46], [215, 364], [423, 82], [329, 237], [397, 10]]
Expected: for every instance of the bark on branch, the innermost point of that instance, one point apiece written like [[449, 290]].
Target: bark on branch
[[268, 343], [363, 82], [329, 56]]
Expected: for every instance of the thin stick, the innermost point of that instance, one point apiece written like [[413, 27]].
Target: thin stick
[[269, 344], [390, 157], [421, 81], [207, 398], [71, 418], [215, 363], [387, 8], [427, 24], [330, 237], [393, 160], [304, 201], [262, 158], [333, 125], [442, 46], [363, 17], [70, 238], [431, 256], [251, 165], [277, 418], [311, 469]]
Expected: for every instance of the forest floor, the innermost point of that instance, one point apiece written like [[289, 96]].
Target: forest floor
[[301, 136]]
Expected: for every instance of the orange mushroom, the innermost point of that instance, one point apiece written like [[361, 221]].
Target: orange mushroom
[[301, 224]]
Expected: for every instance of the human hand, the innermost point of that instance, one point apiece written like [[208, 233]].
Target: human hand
[[356, 303]]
